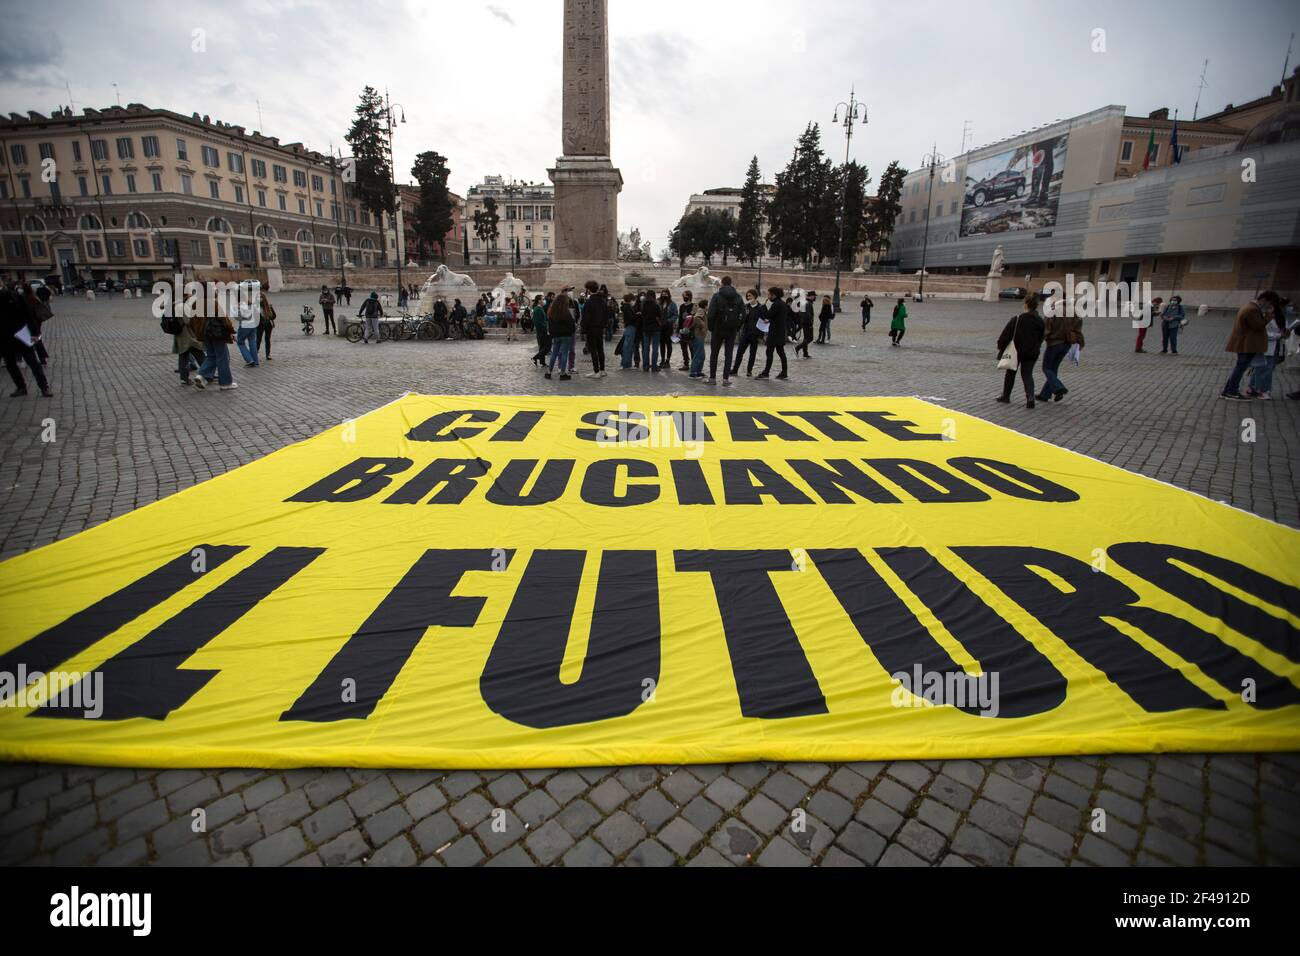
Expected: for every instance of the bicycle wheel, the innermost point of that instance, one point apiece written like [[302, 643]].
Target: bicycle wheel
[[424, 331], [354, 332], [385, 333], [476, 331]]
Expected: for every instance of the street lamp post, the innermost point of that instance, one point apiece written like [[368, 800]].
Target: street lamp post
[[851, 116], [392, 178], [932, 160]]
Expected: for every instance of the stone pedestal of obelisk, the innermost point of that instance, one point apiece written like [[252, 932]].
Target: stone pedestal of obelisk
[[586, 182]]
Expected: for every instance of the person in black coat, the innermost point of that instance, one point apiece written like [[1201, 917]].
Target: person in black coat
[[824, 321], [16, 319], [1026, 330], [806, 324], [749, 335], [595, 319], [779, 319]]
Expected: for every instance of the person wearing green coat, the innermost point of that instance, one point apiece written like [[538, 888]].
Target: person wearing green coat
[[898, 324]]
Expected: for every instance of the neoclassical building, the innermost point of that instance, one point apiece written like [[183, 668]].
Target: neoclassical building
[[130, 192]]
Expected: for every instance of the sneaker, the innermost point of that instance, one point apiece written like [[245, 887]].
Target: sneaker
[[565, 378], [48, 394], [1294, 395], [1029, 404], [18, 393], [1060, 395], [1141, 351], [1004, 400], [592, 375], [232, 385], [250, 365], [1263, 396], [604, 374], [726, 381], [1233, 396], [783, 375], [548, 374], [761, 375], [199, 381]]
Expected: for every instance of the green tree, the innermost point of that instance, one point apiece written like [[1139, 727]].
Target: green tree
[[485, 225], [372, 175], [806, 198], [884, 211], [748, 244], [433, 214], [853, 180]]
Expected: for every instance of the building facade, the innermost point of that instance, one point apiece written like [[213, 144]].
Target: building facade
[[1221, 220], [527, 224], [453, 242], [132, 192]]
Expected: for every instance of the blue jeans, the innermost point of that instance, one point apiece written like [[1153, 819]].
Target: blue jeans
[[697, 356], [1169, 336], [629, 343], [649, 350], [217, 363], [1052, 360], [1261, 376], [247, 340], [1233, 386], [562, 349]]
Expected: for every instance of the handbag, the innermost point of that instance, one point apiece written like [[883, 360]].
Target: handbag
[[1010, 358]]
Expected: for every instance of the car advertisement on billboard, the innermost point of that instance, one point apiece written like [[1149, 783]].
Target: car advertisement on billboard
[[1018, 189]]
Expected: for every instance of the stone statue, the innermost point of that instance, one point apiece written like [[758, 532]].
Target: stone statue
[[445, 283], [506, 287], [700, 284], [996, 268]]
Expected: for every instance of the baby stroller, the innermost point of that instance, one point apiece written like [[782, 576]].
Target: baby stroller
[[308, 320]]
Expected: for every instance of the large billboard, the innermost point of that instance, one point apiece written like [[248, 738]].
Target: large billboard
[[1015, 190]]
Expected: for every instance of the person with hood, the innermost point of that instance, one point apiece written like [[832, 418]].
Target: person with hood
[[371, 310], [1024, 332], [898, 323], [1172, 319], [595, 319], [778, 321], [750, 336], [1249, 338], [560, 320], [539, 329], [15, 331], [327, 301], [725, 319], [652, 334]]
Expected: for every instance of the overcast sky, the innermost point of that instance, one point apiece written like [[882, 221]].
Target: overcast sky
[[697, 87]]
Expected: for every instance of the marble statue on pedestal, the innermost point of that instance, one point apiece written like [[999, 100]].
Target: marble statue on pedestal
[[994, 282], [506, 287], [700, 284], [448, 285]]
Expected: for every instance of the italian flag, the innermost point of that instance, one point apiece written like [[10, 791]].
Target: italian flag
[[1151, 148]]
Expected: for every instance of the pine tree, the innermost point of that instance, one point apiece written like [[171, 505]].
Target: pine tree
[[749, 222], [373, 183], [433, 215], [888, 204], [805, 198], [485, 225], [853, 180]]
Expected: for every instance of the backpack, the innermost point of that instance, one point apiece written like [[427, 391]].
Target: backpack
[[214, 329], [730, 318], [171, 325]]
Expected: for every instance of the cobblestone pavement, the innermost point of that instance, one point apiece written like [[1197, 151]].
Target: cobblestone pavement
[[128, 434]]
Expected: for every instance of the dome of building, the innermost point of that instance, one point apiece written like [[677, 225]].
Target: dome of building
[[1282, 127]]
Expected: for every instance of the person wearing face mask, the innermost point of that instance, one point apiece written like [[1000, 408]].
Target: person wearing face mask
[[750, 334], [778, 319]]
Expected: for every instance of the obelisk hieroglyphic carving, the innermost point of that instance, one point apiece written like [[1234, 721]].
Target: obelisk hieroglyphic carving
[[586, 78], [586, 183]]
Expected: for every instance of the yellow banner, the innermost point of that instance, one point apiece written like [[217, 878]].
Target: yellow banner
[[474, 581]]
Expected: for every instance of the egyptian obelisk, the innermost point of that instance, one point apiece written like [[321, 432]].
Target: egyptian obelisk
[[586, 183]]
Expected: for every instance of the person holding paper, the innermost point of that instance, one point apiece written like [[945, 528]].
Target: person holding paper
[[15, 331]]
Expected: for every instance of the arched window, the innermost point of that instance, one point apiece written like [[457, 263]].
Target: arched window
[[137, 220], [90, 221], [304, 235], [367, 244], [33, 224], [266, 233], [217, 224]]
